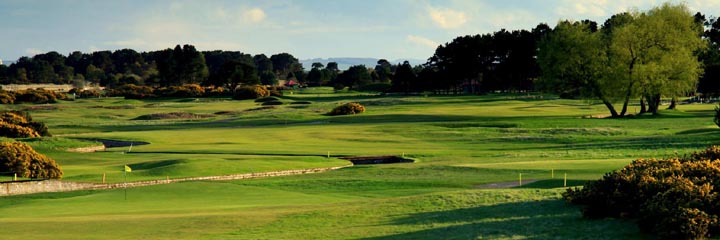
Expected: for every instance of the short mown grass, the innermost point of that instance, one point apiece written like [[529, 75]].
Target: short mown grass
[[459, 142]]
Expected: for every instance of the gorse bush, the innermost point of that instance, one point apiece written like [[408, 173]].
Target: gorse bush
[[186, 90], [675, 198], [14, 124], [131, 91], [38, 96], [250, 92], [347, 109], [84, 93], [7, 97], [19, 158], [16, 131]]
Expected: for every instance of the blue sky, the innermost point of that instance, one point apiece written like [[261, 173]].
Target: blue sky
[[391, 29]]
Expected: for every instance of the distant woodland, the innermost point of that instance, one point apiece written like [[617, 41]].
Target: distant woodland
[[575, 59]]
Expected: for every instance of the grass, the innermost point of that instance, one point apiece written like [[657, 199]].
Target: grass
[[459, 142]]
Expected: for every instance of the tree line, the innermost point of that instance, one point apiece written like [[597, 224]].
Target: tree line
[[163, 68], [646, 55]]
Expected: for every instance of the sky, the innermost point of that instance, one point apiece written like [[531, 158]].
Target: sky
[[390, 29]]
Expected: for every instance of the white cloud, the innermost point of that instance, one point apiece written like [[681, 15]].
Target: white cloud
[[33, 51], [447, 18], [253, 15], [127, 43], [422, 41], [589, 8]]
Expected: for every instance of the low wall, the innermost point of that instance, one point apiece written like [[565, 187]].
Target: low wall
[[29, 187]]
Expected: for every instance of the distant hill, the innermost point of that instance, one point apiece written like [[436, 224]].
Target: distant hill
[[345, 63]]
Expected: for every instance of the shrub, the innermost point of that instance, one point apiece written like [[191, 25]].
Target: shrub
[[21, 121], [347, 109], [82, 93], [16, 131], [38, 96], [675, 198], [20, 158], [217, 91], [250, 92], [186, 90], [275, 92], [7, 97], [131, 91]]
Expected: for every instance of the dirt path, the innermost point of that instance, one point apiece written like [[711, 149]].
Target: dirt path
[[29, 187], [504, 184]]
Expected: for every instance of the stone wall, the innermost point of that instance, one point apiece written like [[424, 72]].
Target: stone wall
[[28, 187]]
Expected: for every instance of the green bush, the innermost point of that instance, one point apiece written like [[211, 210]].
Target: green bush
[[676, 198], [20, 158], [347, 109], [250, 92]]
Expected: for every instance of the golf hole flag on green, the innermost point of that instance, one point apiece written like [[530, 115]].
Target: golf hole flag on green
[[128, 169]]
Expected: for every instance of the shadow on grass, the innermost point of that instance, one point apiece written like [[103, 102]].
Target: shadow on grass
[[546, 219], [553, 183]]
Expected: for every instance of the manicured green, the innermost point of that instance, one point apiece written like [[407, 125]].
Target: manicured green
[[459, 142]]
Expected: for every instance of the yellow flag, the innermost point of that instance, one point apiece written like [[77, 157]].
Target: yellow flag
[[128, 169]]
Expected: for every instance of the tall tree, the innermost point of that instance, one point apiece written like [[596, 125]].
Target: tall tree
[[573, 59], [355, 77], [661, 46], [383, 70], [284, 63], [404, 78]]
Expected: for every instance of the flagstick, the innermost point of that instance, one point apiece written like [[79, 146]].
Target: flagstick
[[125, 175]]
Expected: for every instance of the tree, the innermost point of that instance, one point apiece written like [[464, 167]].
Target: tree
[[383, 70], [284, 63], [263, 63], [332, 66], [355, 77], [317, 65], [649, 54], [234, 73], [404, 78], [314, 77], [658, 54], [573, 61]]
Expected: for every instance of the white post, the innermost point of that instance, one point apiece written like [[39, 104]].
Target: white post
[[520, 179]]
